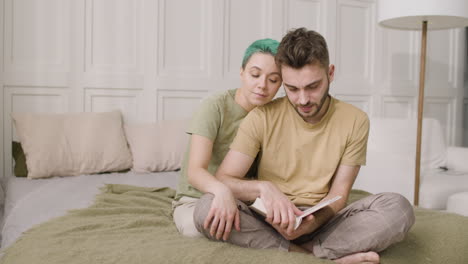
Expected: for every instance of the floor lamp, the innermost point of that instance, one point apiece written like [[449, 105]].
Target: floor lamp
[[422, 15]]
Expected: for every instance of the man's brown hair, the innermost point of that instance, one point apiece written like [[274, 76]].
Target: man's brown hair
[[300, 47]]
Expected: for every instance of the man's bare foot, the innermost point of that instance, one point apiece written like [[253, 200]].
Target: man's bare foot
[[361, 257]]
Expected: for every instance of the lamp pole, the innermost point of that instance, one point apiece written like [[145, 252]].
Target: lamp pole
[[422, 73]]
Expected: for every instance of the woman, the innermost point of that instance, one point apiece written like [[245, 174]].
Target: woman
[[213, 128]]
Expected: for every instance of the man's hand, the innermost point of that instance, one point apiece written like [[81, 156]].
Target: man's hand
[[307, 226], [223, 215], [280, 210]]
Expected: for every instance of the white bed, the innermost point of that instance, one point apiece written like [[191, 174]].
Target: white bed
[[30, 202], [145, 232], [76, 145]]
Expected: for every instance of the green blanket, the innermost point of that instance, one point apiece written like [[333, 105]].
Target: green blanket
[[128, 224]]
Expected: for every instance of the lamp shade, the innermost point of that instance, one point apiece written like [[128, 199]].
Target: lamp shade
[[409, 14]]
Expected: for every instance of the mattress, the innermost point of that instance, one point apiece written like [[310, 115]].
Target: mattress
[[30, 202]]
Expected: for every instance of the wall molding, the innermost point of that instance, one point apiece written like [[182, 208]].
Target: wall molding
[[24, 50], [166, 97], [231, 69], [363, 102], [290, 13], [348, 72], [389, 101], [184, 45], [97, 28], [110, 99]]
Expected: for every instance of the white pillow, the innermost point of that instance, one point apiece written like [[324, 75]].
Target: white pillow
[[457, 159], [157, 146], [73, 143]]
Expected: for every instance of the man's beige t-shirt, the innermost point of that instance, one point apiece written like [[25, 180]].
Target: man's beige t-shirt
[[298, 157]]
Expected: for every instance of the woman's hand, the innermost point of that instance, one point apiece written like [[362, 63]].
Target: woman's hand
[[223, 214], [281, 211]]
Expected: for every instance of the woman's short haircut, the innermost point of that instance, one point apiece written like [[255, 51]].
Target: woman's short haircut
[[300, 47], [267, 46]]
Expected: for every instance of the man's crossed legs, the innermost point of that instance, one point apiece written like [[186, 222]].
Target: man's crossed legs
[[355, 233]]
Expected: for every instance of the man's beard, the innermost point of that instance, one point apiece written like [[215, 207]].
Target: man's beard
[[318, 106]]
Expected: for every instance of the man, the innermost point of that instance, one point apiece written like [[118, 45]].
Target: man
[[310, 148]]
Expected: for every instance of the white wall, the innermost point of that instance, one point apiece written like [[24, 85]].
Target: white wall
[[156, 59]]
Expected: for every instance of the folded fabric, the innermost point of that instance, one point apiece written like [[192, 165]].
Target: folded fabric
[[20, 169]]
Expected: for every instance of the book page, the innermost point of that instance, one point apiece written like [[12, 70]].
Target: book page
[[315, 208], [319, 206]]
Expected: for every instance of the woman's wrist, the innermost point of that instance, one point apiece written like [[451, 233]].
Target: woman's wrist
[[220, 189]]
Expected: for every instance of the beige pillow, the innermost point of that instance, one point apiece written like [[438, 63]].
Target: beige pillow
[[73, 143], [157, 146]]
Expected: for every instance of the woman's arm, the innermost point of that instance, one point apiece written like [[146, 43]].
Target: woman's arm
[[199, 158], [223, 213]]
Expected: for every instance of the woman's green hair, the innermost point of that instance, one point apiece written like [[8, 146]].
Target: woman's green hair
[[269, 46]]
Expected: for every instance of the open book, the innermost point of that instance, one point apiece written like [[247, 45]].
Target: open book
[[258, 207]]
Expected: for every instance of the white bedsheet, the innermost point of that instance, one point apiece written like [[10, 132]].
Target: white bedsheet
[[30, 202]]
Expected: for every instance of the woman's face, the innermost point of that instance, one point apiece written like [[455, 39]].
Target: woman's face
[[260, 79]]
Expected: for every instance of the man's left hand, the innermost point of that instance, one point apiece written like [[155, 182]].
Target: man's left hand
[[307, 226]]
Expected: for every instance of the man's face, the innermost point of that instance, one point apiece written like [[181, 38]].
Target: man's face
[[307, 89]]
